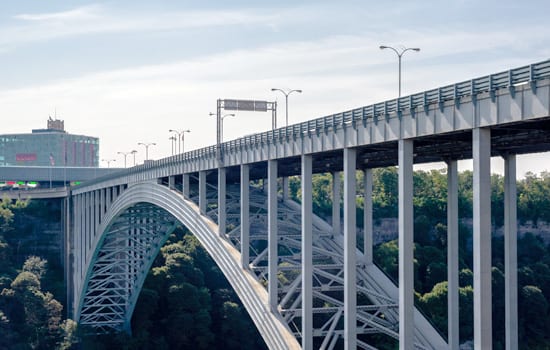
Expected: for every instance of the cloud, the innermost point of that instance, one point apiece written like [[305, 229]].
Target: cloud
[[77, 14], [95, 19], [337, 72]]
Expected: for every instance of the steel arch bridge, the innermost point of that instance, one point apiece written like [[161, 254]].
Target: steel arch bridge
[[325, 289], [135, 228], [140, 220]]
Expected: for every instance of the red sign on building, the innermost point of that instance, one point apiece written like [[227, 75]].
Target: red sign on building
[[25, 157]]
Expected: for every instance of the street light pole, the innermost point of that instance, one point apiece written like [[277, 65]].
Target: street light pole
[[146, 148], [399, 53], [173, 143], [134, 153], [181, 136], [183, 140], [286, 93], [108, 162], [124, 154], [221, 123]]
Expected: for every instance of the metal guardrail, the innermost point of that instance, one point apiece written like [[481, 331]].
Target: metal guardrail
[[493, 82], [490, 83]]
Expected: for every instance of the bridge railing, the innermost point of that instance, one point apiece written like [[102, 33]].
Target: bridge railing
[[489, 83], [506, 79]]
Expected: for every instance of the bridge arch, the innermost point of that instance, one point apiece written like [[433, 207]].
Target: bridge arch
[[117, 267]]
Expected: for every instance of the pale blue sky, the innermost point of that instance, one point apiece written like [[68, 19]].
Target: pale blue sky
[[127, 71]]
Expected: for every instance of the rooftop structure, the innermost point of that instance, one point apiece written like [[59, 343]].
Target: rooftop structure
[[50, 147]]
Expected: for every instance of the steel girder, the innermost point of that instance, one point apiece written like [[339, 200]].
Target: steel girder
[[377, 309]]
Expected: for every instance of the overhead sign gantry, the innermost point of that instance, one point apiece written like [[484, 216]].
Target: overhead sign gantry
[[241, 105]]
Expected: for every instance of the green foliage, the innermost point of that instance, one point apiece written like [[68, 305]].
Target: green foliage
[[6, 215], [430, 251], [384, 193], [386, 255], [36, 266], [30, 317], [534, 201], [68, 330], [34, 316], [322, 194], [533, 315]]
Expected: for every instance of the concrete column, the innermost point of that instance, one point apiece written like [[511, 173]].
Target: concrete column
[[97, 209], [406, 232], [101, 204], [69, 253], [307, 253], [221, 201], [77, 214], [482, 238], [185, 185], [202, 192], [88, 224], [272, 232], [91, 228], [367, 216], [245, 215], [336, 184], [82, 234], [350, 257], [108, 198], [510, 253], [115, 193], [172, 182], [285, 188], [452, 255]]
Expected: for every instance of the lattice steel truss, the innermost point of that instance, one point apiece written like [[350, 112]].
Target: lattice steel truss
[[133, 238], [377, 312], [121, 263]]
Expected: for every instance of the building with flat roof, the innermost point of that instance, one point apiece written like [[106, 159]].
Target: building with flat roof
[[51, 147]]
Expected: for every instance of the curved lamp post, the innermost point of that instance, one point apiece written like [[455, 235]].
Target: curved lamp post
[[181, 139], [399, 53], [146, 148], [173, 143], [221, 126], [286, 93], [133, 152], [125, 154], [108, 162]]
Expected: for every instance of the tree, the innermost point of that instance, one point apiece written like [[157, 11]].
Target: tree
[[533, 201], [386, 255], [384, 192], [9, 336], [69, 334], [533, 310], [530, 249], [36, 266], [36, 314], [434, 303], [6, 215]]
